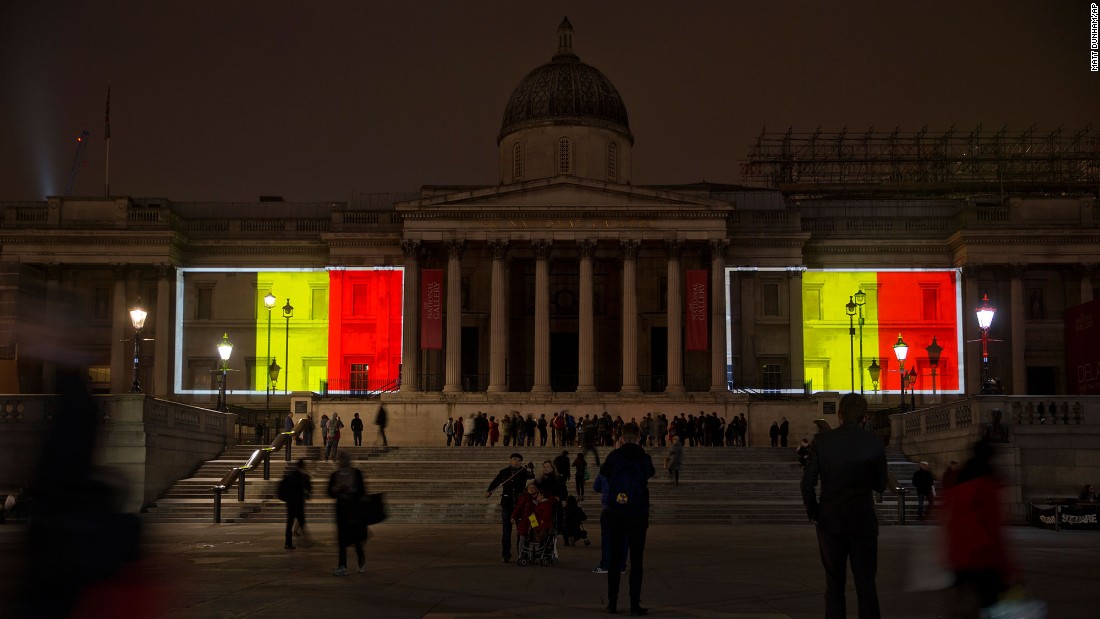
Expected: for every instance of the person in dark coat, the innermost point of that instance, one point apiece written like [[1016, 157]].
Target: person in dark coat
[[627, 516], [347, 487], [773, 433], [924, 482], [295, 489], [851, 465], [357, 431], [380, 420], [784, 431], [512, 479]]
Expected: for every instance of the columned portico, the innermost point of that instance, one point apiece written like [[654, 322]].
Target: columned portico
[[586, 378], [497, 318], [630, 315], [453, 379], [410, 332], [542, 249], [674, 300]]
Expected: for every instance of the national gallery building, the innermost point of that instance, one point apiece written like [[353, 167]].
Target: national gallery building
[[568, 286]]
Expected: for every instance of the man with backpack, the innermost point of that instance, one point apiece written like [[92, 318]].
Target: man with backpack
[[627, 471], [294, 489]]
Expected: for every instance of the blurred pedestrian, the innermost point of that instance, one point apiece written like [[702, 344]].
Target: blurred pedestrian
[[294, 488], [924, 483], [380, 420], [347, 487]]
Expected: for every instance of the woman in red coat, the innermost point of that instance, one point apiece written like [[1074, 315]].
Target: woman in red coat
[[494, 431], [974, 523]]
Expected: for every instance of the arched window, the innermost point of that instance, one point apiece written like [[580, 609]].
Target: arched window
[[517, 162], [565, 156], [612, 161]]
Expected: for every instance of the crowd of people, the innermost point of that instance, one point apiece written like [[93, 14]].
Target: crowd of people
[[602, 430]]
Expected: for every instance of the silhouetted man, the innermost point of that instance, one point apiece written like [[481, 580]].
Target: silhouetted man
[[627, 471], [513, 479], [851, 464]]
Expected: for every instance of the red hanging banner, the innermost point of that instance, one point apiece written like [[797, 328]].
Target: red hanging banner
[[431, 309], [697, 311]]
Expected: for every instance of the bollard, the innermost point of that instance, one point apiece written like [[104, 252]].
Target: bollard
[[218, 504], [267, 464], [240, 486], [901, 504]]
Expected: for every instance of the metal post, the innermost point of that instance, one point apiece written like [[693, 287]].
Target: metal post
[[901, 368], [267, 464], [289, 444], [218, 504], [135, 387], [901, 504], [861, 349], [240, 485]]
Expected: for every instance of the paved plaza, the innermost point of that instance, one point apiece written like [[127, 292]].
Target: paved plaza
[[437, 572]]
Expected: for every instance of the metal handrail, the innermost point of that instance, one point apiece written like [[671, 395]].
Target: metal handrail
[[237, 474]]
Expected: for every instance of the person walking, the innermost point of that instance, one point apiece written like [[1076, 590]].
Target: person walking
[[294, 488], [851, 465], [512, 479], [924, 483], [675, 460], [347, 487], [380, 420], [627, 470], [357, 430]]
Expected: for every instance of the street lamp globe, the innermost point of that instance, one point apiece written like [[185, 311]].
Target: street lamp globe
[[269, 300], [985, 313], [901, 349], [860, 298], [273, 371], [875, 370], [225, 348], [137, 317]]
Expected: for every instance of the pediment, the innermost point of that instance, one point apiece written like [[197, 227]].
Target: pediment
[[564, 195]]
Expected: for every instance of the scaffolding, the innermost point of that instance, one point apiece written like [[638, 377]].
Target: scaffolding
[[1003, 158]]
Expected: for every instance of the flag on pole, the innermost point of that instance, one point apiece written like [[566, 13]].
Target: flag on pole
[[107, 122]]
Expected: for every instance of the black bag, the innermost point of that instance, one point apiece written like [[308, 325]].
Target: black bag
[[626, 487], [282, 491], [374, 508]]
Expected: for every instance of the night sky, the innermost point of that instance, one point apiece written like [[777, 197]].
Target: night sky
[[315, 101]]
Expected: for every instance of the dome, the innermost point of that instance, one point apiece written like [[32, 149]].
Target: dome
[[565, 91]]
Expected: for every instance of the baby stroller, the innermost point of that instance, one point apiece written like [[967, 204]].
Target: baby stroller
[[541, 546]]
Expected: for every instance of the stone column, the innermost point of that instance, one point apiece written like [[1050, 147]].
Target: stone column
[[586, 378], [674, 317], [972, 353], [1018, 340], [453, 379], [1086, 282], [497, 319], [163, 335], [542, 249], [410, 328], [797, 355], [718, 249], [54, 307], [630, 315], [121, 346]]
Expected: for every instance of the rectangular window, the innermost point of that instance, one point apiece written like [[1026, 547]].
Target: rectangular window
[[812, 304], [319, 304], [102, 303], [770, 299], [359, 299], [204, 309], [359, 375], [773, 376], [929, 303]]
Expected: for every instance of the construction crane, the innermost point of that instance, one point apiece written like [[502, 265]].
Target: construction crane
[[81, 145]]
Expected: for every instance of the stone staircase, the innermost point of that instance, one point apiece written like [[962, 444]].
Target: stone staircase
[[718, 485]]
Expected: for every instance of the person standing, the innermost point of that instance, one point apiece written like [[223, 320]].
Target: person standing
[[294, 489], [380, 420], [357, 430], [773, 433], [288, 423], [334, 428], [542, 430], [581, 464], [924, 482], [803, 453], [458, 427], [851, 465], [512, 479], [449, 430], [675, 460], [325, 423], [627, 470], [743, 429], [494, 431], [309, 430], [784, 431], [347, 487]]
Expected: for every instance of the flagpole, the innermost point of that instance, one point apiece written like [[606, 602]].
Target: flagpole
[[107, 136]]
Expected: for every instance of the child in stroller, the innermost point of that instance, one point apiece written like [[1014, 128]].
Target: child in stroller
[[571, 528], [541, 539]]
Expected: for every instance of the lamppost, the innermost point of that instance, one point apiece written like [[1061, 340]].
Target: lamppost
[[985, 313], [912, 390], [225, 348], [137, 317], [288, 313], [850, 308], [934, 350], [901, 350], [861, 300], [875, 370], [269, 303]]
